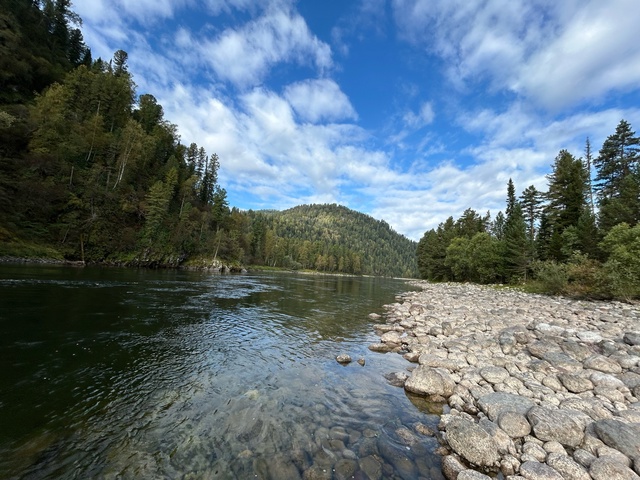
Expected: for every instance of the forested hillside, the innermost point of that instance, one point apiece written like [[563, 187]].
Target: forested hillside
[[580, 237], [92, 171], [331, 238]]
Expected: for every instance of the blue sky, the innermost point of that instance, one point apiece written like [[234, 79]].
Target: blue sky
[[408, 110]]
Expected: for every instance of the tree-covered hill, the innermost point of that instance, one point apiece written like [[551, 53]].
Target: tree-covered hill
[[331, 238]]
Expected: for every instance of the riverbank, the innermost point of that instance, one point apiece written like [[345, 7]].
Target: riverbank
[[536, 387]]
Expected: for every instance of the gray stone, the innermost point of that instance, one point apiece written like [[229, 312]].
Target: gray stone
[[589, 337], [562, 361], [430, 381], [343, 358], [499, 436], [397, 379], [541, 347], [583, 457], [621, 436], [398, 457], [575, 383], [555, 425], [472, 475], [601, 379], [452, 467], [380, 347], [391, 337], [494, 374], [472, 442], [538, 471], [430, 360], [282, 467], [630, 379], [631, 338], [535, 451], [493, 404], [602, 364], [606, 468], [514, 424], [344, 469], [614, 454], [317, 472], [567, 467], [554, 447], [578, 351], [371, 467]]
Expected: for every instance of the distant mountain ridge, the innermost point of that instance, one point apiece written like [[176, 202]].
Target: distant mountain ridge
[[333, 238]]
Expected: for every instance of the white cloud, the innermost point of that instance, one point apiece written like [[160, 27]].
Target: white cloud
[[123, 11], [244, 56], [425, 116], [596, 52], [319, 100], [554, 53]]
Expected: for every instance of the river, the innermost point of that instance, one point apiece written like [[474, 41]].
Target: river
[[124, 373]]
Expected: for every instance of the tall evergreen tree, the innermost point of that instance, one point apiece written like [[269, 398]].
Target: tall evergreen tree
[[618, 178], [518, 250], [511, 198], [567, 191], [531, 201]]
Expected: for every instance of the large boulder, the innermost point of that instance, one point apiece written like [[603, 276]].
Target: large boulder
[[430, 381], [621, 436], [555, 425], [567, 467], [493, 404], [472, 442], [606, 468], [532, 470]]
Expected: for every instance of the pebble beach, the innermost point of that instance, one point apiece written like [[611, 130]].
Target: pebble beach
[[534, 387]]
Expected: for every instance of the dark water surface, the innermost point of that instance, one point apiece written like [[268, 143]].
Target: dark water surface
[[115, 373]]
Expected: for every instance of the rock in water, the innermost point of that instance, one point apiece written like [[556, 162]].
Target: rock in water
[[430, 381], [343, 358]]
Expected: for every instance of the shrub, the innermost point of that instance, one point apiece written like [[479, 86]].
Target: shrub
[[551, 277]]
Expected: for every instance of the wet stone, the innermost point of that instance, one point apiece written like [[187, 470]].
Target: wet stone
[[371, 467], [345, 469], [532, 470]]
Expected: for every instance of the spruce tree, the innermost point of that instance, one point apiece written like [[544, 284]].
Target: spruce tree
[[531, 201], [618, 178]]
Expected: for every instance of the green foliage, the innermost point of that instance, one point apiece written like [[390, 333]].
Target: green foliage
[[551, 277], [39, 42], [617, 183], [622, 268], [477, 259], [518, 248]]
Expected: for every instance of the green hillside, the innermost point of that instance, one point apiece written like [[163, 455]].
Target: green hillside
[[331, 238]]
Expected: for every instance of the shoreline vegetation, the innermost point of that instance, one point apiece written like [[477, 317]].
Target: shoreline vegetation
[[533, 386]]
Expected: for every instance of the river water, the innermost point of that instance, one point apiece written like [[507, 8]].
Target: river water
[[119, 373]]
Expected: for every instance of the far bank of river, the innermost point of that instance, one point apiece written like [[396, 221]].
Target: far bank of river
[[536, 387]]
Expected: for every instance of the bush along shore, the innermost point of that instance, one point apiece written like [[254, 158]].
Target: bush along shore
[[534, 387]]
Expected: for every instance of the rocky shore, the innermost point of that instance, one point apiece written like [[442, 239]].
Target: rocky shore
[[537, 387]]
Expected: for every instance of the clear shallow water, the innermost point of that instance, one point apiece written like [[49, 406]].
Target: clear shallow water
[[114, 373]]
